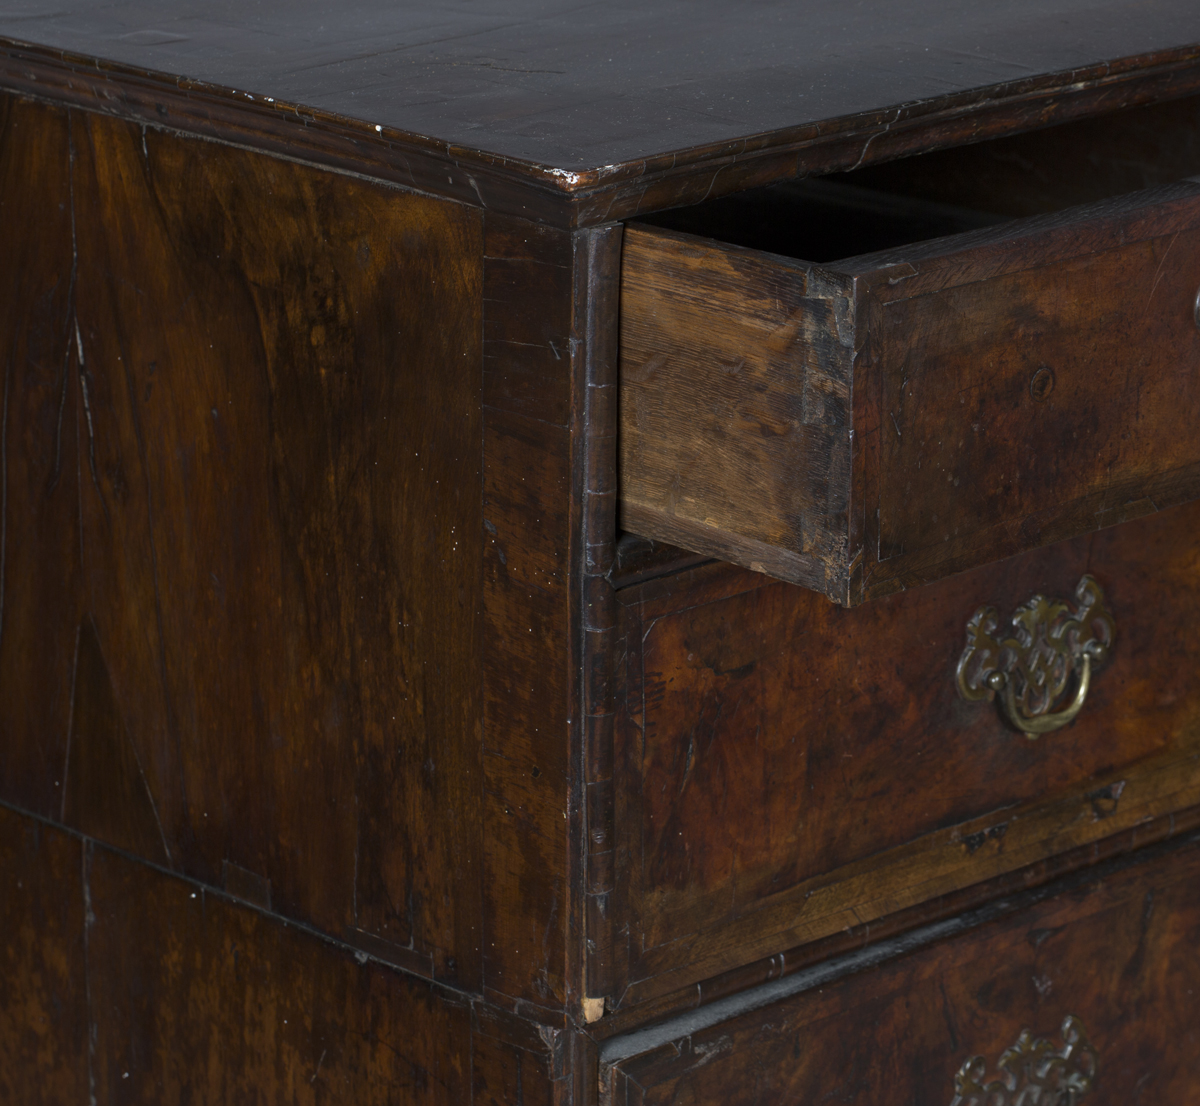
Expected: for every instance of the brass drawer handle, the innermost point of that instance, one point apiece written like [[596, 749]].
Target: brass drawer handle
[[1032, 1071], [1031, 670]]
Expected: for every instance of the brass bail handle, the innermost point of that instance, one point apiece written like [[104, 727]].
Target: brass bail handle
[[1037, 724], [1052, 644]]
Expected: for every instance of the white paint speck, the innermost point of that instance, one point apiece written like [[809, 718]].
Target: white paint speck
[[567, 175]]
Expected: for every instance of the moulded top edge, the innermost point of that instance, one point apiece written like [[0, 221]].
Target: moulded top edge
[[594, 103]]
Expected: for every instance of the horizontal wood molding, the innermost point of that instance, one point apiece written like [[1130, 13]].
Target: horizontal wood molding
[[590, 196]]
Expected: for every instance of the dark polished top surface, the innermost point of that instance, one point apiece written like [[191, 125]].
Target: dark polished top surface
[[588, 85]]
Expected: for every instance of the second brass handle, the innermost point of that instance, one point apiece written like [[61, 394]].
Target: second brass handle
[[1032, 1071]]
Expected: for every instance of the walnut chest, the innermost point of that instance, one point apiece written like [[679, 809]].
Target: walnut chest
[[600, 555]]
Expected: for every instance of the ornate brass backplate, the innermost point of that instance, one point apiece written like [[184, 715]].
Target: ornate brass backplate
[[1051, 646], [1032, 1072]]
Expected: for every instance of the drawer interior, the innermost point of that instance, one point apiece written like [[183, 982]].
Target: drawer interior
[[948, 191], [824, 219]]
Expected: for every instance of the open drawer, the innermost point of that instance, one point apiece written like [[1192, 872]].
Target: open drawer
[[990, 384]]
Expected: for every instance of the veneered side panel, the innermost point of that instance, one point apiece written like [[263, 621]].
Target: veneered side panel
[[263, 601]]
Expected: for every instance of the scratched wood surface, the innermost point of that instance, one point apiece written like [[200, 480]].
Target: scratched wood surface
[[1007, 391], [265, 450], [786, 768], [984, 358], [242, 548], [549, 347], [308, 488], [580, 88], [528, 281], [208, 999], [577, 115], [44, 1019], [1115, 951], [40, 534], [1044, 170]]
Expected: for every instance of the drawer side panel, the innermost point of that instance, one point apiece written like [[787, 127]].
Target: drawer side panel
[[735, 406]]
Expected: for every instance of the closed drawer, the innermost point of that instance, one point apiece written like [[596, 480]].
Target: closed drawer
[[787, 768], [867, 424], [1115, 951]]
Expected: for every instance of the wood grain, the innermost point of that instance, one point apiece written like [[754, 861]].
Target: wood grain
[[528, 291], [205, 998], [1113, 950], [597, 333], [308, 521], [899, 925], [44, 1012], [41, 600], [549, 445], [208, 999], [120, 810], [266, 488], [965, 475], [736, 372], [875, 423], [278, 427], [786, 767]]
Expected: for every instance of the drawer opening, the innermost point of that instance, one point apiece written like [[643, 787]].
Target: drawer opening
[[823, 219], [872, 380], [928, 196]]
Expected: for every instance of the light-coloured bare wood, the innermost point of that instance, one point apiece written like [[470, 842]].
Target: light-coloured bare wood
[[888, 420], [735, 394]]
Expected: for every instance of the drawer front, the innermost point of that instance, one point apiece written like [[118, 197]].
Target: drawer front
[[885, 421], [1116, 953], [787, 768]]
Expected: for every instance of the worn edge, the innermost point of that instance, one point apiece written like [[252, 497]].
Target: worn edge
[[571, 198], [639, 1041], [594, 334]]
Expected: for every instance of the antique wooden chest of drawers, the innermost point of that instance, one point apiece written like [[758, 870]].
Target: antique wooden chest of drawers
[[577, 555]]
